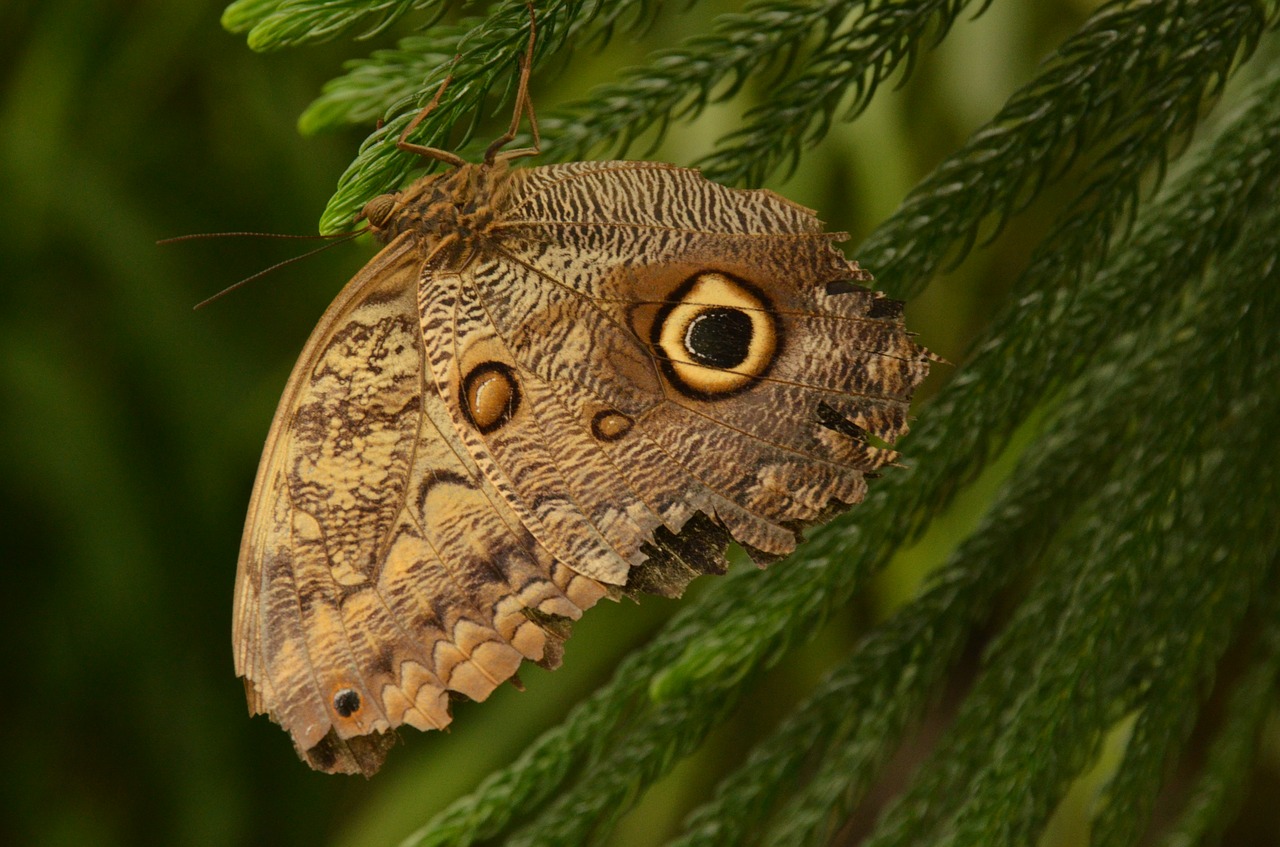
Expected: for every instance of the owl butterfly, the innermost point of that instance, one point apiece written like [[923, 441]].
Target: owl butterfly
[[552, 385]]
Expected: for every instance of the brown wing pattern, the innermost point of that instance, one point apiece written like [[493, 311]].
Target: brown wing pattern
[[379, 569], [597, 270]]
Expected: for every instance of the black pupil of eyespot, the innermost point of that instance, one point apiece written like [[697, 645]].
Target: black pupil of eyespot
[[719, 338]]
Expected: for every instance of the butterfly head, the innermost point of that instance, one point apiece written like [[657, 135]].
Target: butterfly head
[[379, 212], [387, 215]]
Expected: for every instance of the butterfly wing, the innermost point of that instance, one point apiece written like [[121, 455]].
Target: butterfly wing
[[379, 569], [631, 368], [682, 363]]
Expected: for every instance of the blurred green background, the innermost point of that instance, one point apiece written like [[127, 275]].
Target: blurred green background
[[130, 426]]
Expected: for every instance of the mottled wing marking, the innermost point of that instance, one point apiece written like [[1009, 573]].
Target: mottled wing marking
[[286, 619], [636, 485], [379, 569], [603, 245], [516, 457]]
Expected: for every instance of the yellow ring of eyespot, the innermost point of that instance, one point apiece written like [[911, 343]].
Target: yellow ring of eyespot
[[703, 296]]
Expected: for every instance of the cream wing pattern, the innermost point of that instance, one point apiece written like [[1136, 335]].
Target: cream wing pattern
[[553, 384]]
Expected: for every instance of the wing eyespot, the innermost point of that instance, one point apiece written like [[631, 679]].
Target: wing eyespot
[[610, 425], [490, 396], [716, 336], [346, 702]]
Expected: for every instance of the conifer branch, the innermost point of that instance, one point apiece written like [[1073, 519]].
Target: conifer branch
[[386, 79], [747, 624], [1018, 364], [882, 38], [1247, 310], [681, 83], [1057, 473], [1104, 661], [1235, 745], [395, 81], [1129, 323], [487, 56], [1098, 87], [273, 24], [677, 84], [863, 707], [241, 15], [1121, 295], [1101, 614]]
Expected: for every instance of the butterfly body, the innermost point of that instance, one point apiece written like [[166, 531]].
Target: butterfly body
[[453, 209], [553, 384]]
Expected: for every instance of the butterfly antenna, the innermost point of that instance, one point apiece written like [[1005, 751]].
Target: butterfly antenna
[[199, 236], [336, 240]]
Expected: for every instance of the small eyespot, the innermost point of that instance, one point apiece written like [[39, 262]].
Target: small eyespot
[[608, 425], [716, 336], [346, 702], [490, 396]]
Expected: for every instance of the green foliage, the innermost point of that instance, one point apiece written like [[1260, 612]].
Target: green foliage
[[272, 24], [1223, 779], [1134, 546], [849, 63]]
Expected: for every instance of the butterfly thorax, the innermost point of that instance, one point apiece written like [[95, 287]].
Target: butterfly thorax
[[449, 213]]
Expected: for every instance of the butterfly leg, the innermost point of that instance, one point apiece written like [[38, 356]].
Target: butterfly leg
[[524, 106], [422, 150]]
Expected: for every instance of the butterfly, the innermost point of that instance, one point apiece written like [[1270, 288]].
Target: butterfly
[[553, 384]]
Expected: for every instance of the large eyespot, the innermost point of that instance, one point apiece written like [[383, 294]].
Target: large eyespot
[[716, 336], [490, 395]]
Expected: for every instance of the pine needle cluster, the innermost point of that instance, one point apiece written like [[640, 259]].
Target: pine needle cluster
[[1135, 545]]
